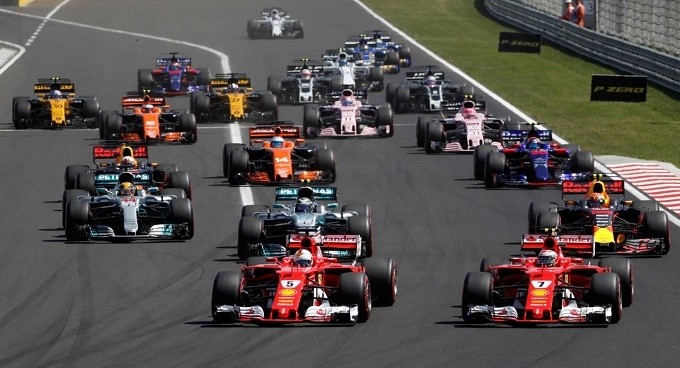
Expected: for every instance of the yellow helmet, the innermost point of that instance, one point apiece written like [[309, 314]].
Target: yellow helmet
[[127, 189]]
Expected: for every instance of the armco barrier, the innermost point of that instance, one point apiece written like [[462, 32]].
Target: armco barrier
[[661, 69]]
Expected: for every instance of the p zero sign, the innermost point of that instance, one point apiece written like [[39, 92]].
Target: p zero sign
[[627, 88], [519, 42]]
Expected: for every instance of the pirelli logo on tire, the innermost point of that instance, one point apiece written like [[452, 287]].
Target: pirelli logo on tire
[[626, 88], [519, 42]]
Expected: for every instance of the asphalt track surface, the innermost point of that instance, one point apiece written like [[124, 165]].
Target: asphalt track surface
[[147, 303]]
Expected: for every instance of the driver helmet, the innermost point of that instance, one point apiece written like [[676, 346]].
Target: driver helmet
[[277, 142], [347, 101], [233, 87], [274, 14], [430, 81], [377, 37], [147, 108], [55, 93], [175, 66], [363, 44], [303, 258], [546, 258], [127, 189], [533, 143], [469, 113], [597, 200], [304, 205], [128, 161], [342, 59], [305, 74]]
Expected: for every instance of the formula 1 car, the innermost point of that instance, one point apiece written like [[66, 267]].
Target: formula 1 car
[[347, 117], [601, 224], [338, 64], [549, 288], [274, 23], [462, 132], [148, 119], [173, 76], [367, 52], [231, 98], [345, 235], [55, 106], [128, 212], [305, 82], [277, 161], [383, 40], [429, 91], [531, 159], [307, 287]]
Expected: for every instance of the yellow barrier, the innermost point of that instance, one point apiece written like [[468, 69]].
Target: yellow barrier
[[14, 2]]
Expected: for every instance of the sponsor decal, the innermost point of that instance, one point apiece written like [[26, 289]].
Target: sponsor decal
[[341, 238], [539, 292], [281, 159], [576, 187], [290, 284], [286, 303], [627, 88], [287, 292], [150, 123], [519, 42], [540, 284], [111, 152]]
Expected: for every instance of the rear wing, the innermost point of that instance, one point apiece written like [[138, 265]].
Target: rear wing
[[359, 94], [129, 101], [267, 11], [184, 61], [582, 187], [316, 69], [317, 193], [520, 135], [263, 132], [224, 80], [344, 247], [582, 244], [111, 152], [419, 76], [46, 85]]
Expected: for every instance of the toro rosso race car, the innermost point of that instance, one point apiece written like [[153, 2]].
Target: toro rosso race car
[[347, 117], [274, 23], [305, 287], [173, 76], [463, 132], [428, 91], [530, 159], [277, 161], [602, 223], [231, 98], [55, 106], [345, 235], [129, 212], [148, 119], [548, 288]]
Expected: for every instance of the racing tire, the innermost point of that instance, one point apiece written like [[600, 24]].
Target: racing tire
[[336, 83], [192, 102], [103, 117], [386, 119], [238, 164], [354, 289], [582, 161], [573, 148], [489, 262], [226, 291], [250, 209], [71, 174], [274, 85], [624, 268], [476, 291], [434, 132], [202, 108], [298, 28], [479, 159], [177, 192], [144, 80], [180, 179], [22, 114], [257, 260], [325, 162], [250, 231], [77, 216], [361, 225], [310, 121], [390, 91], [605, 288], [405, 54], [376, 75], [251, 29], [656, 225], [360, 209], [182, 212], [382, 274], [113, 126], [536, 208], [392, 58], [91, 109], [187, 123], [512, 125], [204, 77], [14, 106], [494, 166], [68, 196], [85, 181], [548, 220], [269, 104], [466, 90], [420, 130], [226, 152], [647, 205], [402, 97], [168, 168]]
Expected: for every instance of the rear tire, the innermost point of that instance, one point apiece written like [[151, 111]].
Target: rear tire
[[180, 179], [479, 159], [361, 225], [144, 80], [250, 231], [325, 162], [656, 224]]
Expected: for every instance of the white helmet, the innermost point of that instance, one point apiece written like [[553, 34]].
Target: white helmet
[[277, 142], [55, 94], [305, 73], [147, 108], [303, 258], [430, 81], [304, 205], [128, 161], [547, 258], [233, 87]]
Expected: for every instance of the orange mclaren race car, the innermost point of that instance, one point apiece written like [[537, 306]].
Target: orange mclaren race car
[[277, 161], [148, 119]]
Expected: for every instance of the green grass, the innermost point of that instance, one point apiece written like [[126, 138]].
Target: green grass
[[552, 87]]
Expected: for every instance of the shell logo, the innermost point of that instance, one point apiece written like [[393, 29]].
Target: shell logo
[[539, 292], [287, 292]]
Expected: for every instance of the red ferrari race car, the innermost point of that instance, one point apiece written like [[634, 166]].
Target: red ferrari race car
[[306, 287], [549, 288], [602, 222], [148, 119]]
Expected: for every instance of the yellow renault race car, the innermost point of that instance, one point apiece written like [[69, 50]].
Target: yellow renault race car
[[55, 106]]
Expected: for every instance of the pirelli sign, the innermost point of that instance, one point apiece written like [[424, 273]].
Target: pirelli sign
[[626, 88], [519, 42]]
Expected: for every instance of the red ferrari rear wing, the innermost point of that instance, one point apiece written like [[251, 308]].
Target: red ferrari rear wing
[[568, 243]]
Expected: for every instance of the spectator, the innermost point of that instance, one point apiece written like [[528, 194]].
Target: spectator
[[568, 12], [580, 13]]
